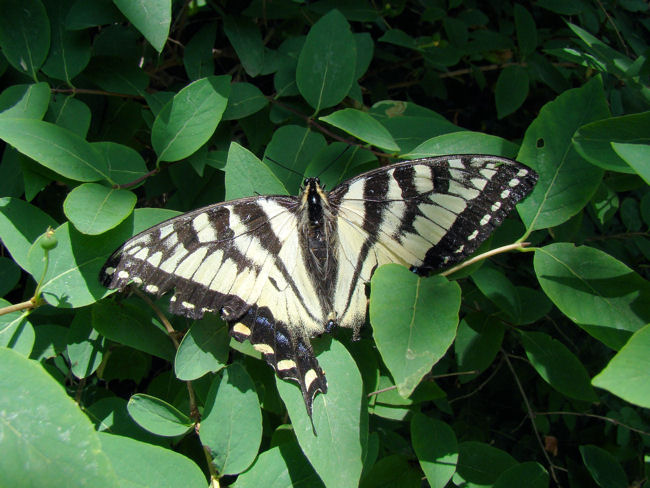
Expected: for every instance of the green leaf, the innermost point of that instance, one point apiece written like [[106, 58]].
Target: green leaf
[[83, 14], [93, 209], [109, 414], [152, 19], [595, 141], [399, 38], [362, 126], [339, 419], [157, 416], [603, 467], [245, 99], [131, 325], [414, 321], [24, 35], [563, 7], [245, 38], [56, 148], [605, 203], [45, 436], [411, 124], [69, 50], [85, 346], [559, 367], [626, 374], [189, 120], [124, 363], [72, 276], [12, 175], [477, 343], [636, 156], [49, 341], [499, 289], [25, 101], [198, 60], [463, 142], [232, 421], [280, 467], [16, 332], [20, 225], [481, 464], [392, 470], [70, 113], [204, 349], [435, 445], [114, 75], [139, 464], [593, 289], [327, 62], [526, 30], [534, 474], [9, 275], [511, 90], [365, 50], [245, 175], [566, 181], [125, 165]]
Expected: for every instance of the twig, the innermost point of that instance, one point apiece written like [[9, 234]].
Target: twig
[[89, 91], [171, 332], [214, 477], [137, 180], [600, 417], [27, 305], [611, 21], [510, 247], [479, 387], [623, 235], [168, 326], [310, 121], [433, 377], [531, 416]]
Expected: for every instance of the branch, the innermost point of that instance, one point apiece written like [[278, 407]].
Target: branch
[[600, 417], [531, 416]]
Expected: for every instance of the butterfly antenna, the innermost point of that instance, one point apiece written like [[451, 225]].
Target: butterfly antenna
[[334, 161], [291, 170]]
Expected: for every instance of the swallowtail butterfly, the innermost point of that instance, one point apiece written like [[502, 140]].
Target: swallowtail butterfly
[[282, 269]]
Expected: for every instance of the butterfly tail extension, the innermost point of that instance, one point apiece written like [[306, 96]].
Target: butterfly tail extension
[[290, 355]]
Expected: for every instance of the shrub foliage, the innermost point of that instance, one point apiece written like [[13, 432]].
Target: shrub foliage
[[531, 366]]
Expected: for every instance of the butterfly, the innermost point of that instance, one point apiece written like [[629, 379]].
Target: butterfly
[[281, 270]]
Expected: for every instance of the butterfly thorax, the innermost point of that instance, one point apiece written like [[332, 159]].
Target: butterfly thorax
[[316, 229]]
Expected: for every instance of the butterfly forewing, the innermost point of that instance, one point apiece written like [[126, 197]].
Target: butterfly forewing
[[241, 260], [283, 269], [427, 214]]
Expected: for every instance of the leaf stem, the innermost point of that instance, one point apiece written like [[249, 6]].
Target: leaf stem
[[517, 246]]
